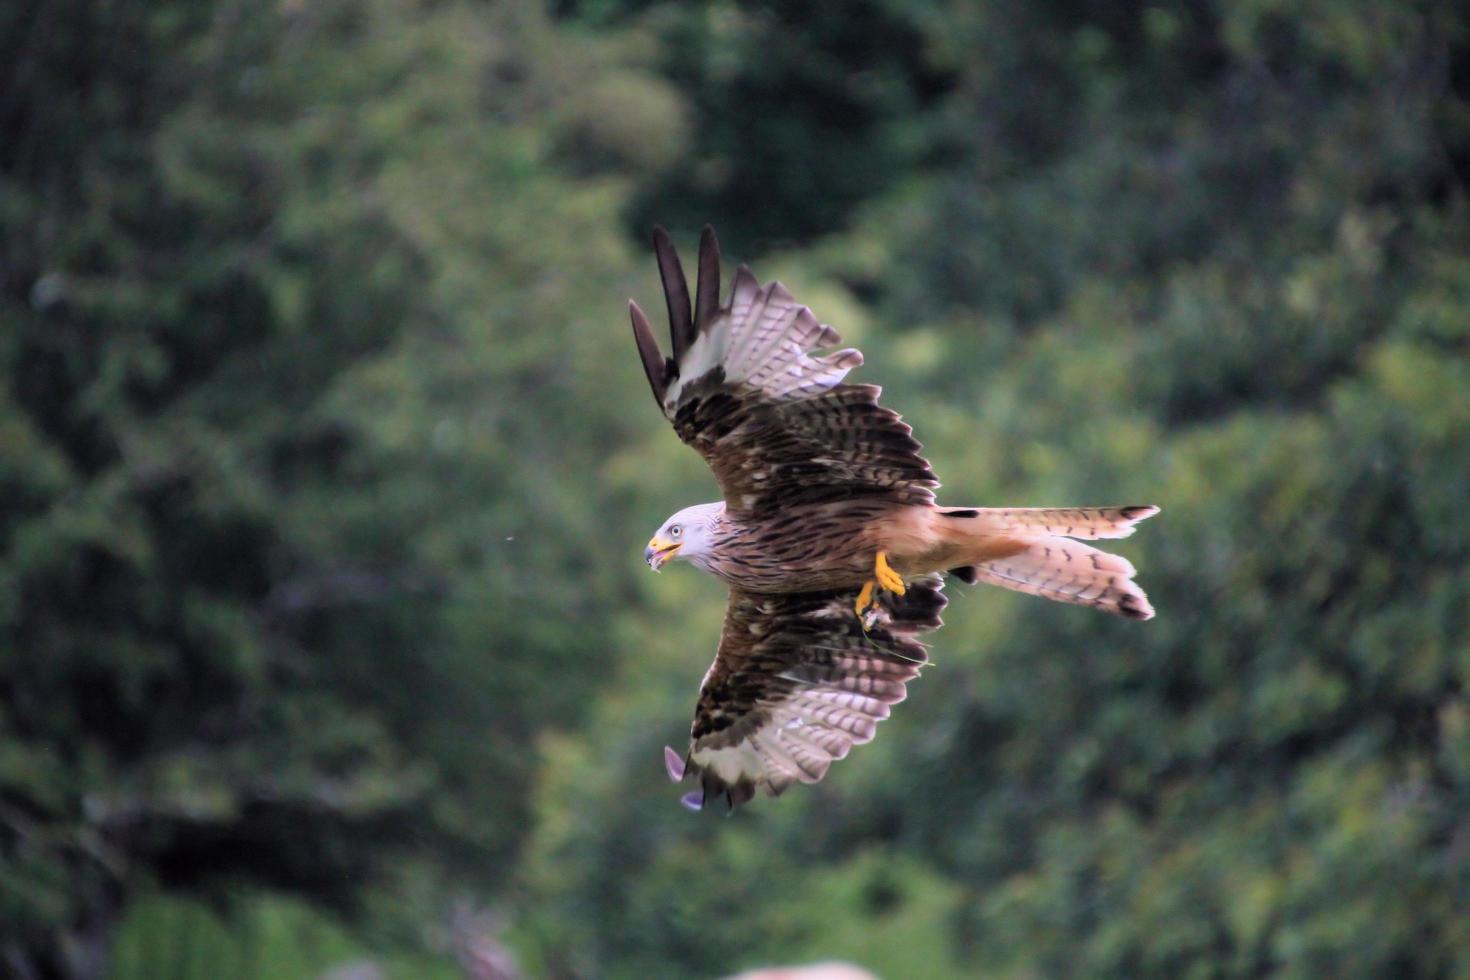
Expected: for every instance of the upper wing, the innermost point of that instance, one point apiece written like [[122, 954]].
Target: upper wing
[[796, 684], [749, 389]]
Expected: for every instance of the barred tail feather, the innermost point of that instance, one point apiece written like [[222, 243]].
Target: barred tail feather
[[1033, 550], [1068, 522], [1069, 571]]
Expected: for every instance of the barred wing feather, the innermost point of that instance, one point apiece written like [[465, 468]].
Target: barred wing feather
[[751, 389], [796, 684]]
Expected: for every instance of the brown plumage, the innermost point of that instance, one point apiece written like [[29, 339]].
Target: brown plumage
[[824, 491]]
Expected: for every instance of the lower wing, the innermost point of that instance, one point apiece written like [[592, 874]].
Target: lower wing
[[797, 682]]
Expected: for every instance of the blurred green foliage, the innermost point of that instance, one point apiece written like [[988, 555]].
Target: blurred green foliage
[[325, 464], [255, 936]]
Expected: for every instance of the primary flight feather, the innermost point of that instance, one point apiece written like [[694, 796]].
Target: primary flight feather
[[829, 535]]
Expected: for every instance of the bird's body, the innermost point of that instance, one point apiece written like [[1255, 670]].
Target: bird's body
[[807, 547], [829, 535], [831, 545]]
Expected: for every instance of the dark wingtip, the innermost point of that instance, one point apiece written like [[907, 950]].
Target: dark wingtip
[[676, 292], [738, 793], [1135, 607], [745, 278], [673, 764], [1139, 512], [707, 292], [653, 358]]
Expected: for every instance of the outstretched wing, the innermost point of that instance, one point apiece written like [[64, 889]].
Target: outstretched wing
[[796, 684], [750, 388]]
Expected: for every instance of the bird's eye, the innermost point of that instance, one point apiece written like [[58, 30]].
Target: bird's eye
[[675, 531]]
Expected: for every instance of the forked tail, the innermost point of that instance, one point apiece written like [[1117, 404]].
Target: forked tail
[[1034, 550]]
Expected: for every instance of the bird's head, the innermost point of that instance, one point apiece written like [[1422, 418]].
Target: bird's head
[[687, 534]]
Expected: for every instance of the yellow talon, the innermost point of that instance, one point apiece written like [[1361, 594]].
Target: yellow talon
[[886, 576], [884, 579]]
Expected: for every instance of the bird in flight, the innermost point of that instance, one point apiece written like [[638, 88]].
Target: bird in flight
[[828, 536]]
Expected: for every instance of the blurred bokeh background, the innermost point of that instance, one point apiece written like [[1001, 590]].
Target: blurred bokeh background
[[326, 463]]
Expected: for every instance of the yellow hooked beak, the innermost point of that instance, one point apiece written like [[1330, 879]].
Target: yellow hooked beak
[[659, 551]]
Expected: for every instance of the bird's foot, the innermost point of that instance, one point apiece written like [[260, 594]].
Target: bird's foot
[[884, 579], [886, 576]]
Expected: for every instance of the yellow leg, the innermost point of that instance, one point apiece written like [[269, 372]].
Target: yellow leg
[[886, 576]]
